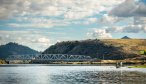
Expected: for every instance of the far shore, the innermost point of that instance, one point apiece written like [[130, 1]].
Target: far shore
[[129, 63]]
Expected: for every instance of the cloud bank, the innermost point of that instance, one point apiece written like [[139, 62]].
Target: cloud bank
[[129, 8]]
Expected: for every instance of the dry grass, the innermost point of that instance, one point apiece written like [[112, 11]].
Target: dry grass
[[132, 45]]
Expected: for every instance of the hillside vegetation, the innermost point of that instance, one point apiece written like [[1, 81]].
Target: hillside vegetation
[[107, 48], [14, 49]]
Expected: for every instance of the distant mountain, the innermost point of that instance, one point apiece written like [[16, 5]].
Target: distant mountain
[[107, 48], [125, 37], [14, 49]]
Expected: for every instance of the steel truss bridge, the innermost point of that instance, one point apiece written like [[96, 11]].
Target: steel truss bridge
[[50, 57]]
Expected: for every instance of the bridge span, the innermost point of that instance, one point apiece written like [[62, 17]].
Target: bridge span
[[50, 57]]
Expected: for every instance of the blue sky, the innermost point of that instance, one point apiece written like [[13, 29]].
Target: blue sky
[[39, 24]]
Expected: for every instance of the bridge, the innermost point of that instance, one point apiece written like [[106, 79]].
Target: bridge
[[50, 57]]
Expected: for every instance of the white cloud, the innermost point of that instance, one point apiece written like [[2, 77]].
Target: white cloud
[[129, 8], [108, 20], [38, 23], [28, 38], [80, 9], [133, 29], [88, 21], [127, 29], [33, 25], [114, 29], [69, 8], [76, 15], [139, 20], [1, 38], [99, 33], [92, 19], [43, 40], [66, 11], [138, 26]]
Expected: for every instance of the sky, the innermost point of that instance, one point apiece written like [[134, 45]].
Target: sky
[[42, 23]]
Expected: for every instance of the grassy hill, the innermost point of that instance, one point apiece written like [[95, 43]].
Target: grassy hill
[[14, 49], [128, 45], [109, 48]]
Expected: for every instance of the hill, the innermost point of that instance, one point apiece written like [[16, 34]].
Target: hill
[[107, 48], [13, 49], [125, 37]]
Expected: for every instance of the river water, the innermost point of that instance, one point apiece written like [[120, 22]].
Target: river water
[[48, 74]]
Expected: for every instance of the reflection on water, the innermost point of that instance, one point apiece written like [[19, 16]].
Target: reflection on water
[[70, 75]]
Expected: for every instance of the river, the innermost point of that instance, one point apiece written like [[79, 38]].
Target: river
[[50, 74]]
